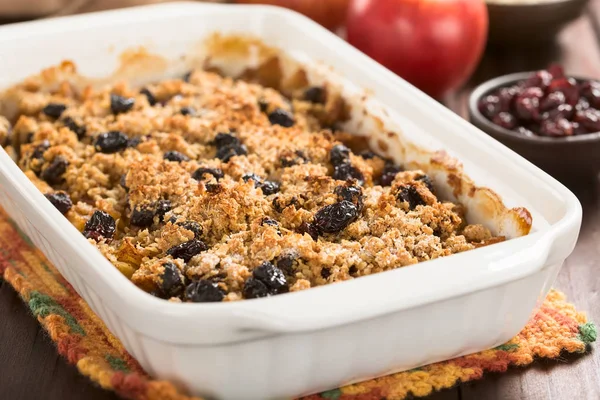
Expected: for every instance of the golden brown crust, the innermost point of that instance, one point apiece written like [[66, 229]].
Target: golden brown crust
[[241, 223]]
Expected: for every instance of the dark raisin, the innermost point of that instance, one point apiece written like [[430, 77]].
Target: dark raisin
[[352, 270], [61, 201], [286, 263], [134, 142], [353, 194], [40, 149], [163, 207], [253, 289], [282, 117], [347, 171], [79, 130], [204, 291], [269, 187], [335, 217], [213, 188], [325, 273], [226, 139], [339, 154], [389, 174], [100, 225], [311, 229], [172, 281], [120, 104], [54, 110], [269, 221], [201, 172], [187, 111], [186, 77], [192, 226], [142, 216], [263, 105], [490, 106], [273, 278], [427, 181], [226, 153], [411, 195], [315, 95], [111, 142], [368, 155], [123, 182], [175, 156], [53, 173], [149, 96], [290, 160], [187, 250], [254, 178]]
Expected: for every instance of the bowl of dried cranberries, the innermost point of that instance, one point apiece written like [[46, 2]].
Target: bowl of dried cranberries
[[546, 116]]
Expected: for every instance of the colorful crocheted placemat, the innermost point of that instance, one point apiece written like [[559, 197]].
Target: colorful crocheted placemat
[[85, 341]]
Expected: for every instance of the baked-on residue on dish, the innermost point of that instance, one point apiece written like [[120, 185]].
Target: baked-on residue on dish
[[206, 188]]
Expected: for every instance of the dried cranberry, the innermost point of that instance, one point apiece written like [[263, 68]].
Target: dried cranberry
[[315, 95], [120, 104], [346, 172], [353, 194], [562, 111], [149, 96], [556, 71], [79, 130], [201, 172], [53, 173], [54, 110], [541, 79], [527, 104], [100, 225], [273, 278], [142, 216], [411, 195], [490, 106], [111, 142], [282, 117], [339, 154], [192, 226], [335, 217], [187, 111], [556, 128], [505, 120], [507, 96], [187, 250], [175, 156], [591, 91], [61, 201], [582, 104], [552, 101], [578, 129], [172, 281], [204, 291], [524, 131], [254, 289], [589, 120], [568, 86]]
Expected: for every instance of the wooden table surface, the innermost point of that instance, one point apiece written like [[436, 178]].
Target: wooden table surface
[[31, 369]]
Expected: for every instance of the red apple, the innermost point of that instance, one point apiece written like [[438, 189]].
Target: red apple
[[329, 13], [434, 44]]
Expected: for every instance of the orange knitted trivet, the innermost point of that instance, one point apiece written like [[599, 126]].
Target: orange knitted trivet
[[83, 339]]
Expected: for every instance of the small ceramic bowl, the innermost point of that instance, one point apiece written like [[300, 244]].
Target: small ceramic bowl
[[529, 22], [566, 158]]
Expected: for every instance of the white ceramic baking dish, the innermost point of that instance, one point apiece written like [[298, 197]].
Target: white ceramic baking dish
[[303, 342]]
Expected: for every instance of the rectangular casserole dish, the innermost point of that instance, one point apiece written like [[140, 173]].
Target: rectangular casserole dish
[[314, 340]]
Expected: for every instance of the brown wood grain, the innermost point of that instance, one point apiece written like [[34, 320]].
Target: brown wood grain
[[31, 369]]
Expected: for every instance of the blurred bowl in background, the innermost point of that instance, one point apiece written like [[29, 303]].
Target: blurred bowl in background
[[565, 158], [530, 22]]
